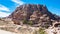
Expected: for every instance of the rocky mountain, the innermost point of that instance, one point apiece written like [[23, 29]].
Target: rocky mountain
[[33, 14], [29, 19]]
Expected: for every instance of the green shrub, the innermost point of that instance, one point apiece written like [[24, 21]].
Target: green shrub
[[30, 22], [25, 21], [41, 31]]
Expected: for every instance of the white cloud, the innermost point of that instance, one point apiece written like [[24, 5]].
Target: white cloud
[[4, 8], [18, 2], [4, 14]]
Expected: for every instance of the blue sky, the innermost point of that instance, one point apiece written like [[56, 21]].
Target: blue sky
[[8, 6]]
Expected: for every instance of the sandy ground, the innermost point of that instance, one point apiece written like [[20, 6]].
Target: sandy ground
[[6, 32], [51, 31]]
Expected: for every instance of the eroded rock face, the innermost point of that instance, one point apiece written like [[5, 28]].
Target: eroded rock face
[[39, 14]]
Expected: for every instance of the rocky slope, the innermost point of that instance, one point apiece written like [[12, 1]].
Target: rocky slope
[[33, 14], [7, 27]]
